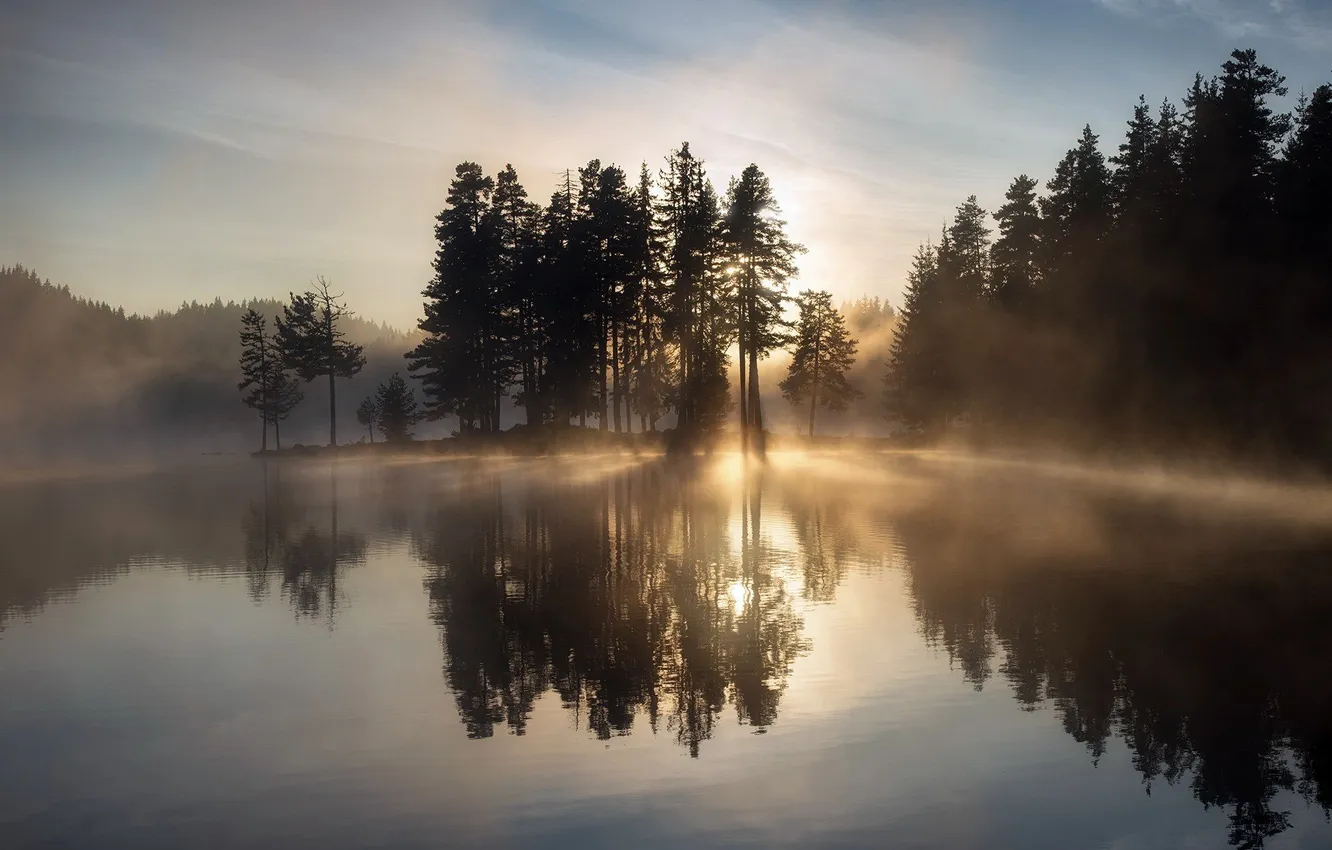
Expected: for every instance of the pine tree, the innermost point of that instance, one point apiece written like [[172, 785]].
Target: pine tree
[[257, 356], [284, 394], [761, 261], [314, 346], [511, 228], [1077, 209], [368, 415], [911, 391], [272, 392], [968, 255], [1227, 336], [1130, 182], [650, 369], [824, 351], [454, 362], [610, 214], [689, 217], [396, 406], [1015, 254]]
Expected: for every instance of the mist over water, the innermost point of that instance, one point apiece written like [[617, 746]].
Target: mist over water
[[615, 651]]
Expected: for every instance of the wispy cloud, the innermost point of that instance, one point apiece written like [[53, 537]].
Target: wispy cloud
[[1291, 20], [292, 137]]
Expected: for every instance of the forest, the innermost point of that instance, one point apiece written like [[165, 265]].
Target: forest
[[621, 303], [83, 379], [1175, 296]]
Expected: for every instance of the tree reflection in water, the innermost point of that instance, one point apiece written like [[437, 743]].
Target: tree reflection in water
[[1202, 644], [651, 597], [626, 596], [306, 558]]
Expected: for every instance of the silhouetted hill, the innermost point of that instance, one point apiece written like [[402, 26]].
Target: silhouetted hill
[[81, 378]]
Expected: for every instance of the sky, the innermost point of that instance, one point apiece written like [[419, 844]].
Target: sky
[[160, 151]]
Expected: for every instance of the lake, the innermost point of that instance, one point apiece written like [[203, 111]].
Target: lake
[[834, 651]]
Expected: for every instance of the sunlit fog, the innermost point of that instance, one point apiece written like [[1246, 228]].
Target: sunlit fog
[[589, 424]]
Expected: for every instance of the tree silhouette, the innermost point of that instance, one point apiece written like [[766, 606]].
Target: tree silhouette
[[463, 363], [257, 354], [395, 405], [368, 414], [761, 259], [824, 351], [272, 392], [313, 343]]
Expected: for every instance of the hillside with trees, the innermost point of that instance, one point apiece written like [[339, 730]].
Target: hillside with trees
[[82, 377]]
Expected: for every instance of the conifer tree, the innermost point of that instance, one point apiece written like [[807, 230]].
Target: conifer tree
[[257, 356], [1015, 255], [272, 392], [761, 260], [368, 415], [1077, 209], [1129, 181], [511, 231], [689, 216], [455, 360], [396, 405], [650, 362], [314, 346], [824, 351], [610, 214], [284, 395], [910, 387]]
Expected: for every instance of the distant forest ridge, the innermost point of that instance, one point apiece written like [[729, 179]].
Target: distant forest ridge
[[80, 375]]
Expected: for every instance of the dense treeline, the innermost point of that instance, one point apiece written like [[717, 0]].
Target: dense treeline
[[618, 300], [1177, 293]]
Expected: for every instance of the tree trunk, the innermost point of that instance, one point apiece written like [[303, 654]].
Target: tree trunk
[[814, 393], [602, 423], [263, 443], [277, 433], [744, 384], [371, 429], [686, 354], [755, 403], [332, 412], [615, 374]]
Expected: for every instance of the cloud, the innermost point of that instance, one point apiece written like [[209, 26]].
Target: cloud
[[1290, 20]]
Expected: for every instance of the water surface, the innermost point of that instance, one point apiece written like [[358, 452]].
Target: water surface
[[839, 652]]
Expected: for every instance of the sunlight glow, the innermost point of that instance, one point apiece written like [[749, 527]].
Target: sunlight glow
[[739, 594]]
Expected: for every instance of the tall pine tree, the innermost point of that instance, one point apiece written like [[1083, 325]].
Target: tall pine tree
[[824, 351]]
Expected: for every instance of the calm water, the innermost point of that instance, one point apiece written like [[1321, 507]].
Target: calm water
[[835, 652]]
